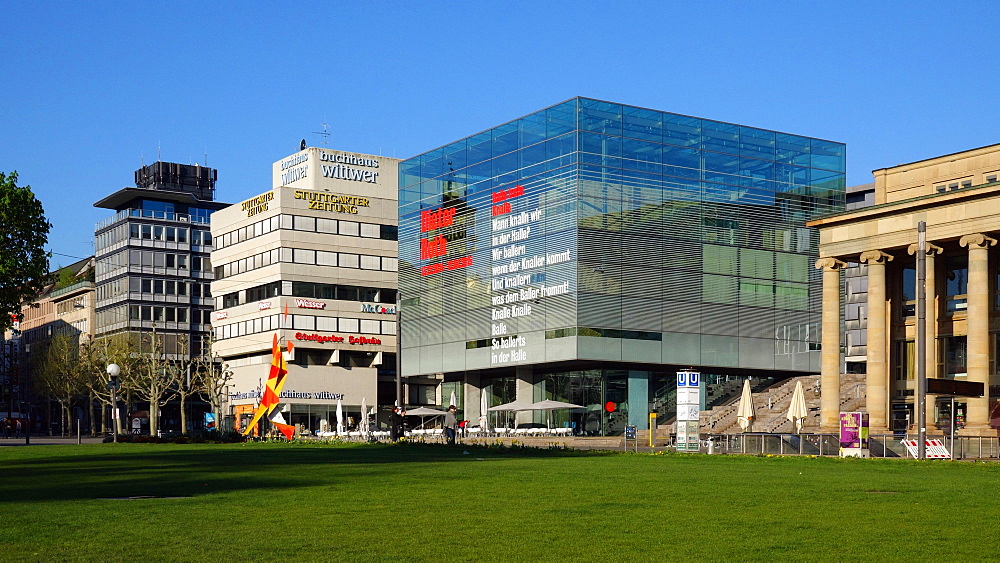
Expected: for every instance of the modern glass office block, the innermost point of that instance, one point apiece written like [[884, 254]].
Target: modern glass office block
[[593, 232]]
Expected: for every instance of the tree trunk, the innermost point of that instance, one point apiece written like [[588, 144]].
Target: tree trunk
[[154, 417], [48, 417], [183, 416]]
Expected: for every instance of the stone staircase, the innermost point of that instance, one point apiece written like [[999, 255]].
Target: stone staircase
[[723, 419]]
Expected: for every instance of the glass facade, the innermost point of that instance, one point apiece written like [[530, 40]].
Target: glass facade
[[597, 231]]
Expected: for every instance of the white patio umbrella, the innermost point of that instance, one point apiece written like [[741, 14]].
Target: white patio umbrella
[[364, 416], [340, 418], [484, 406], [453, 401], [514, 406], [745, 413], [797, 409], [549, 405], [424, 411]]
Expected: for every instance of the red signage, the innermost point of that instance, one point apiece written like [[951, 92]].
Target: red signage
[[609, 406], [432, 248], [306, 304], [501, 198], [321, 338], [436, 219]]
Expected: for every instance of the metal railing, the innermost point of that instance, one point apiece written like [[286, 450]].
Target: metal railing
[[882, 445]]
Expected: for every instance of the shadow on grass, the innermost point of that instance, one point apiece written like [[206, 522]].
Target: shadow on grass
[[172, 470]]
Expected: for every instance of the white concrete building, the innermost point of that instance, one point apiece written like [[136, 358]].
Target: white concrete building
[[314, 260]]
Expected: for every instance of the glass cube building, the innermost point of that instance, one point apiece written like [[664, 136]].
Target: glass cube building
[[587, 251]]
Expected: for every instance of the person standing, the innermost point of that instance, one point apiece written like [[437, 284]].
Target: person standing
[[395, 425], [450, 424], [18, 426]]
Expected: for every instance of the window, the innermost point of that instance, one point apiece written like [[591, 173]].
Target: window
[[957, 278], [147, 286], [158, 232], [182, 235], [158, 287], [171, 234], [171, 260], [133, 230], [206, 290], [182, 261], [182, 315], [990, 178], [171, 287], [423, 394], [181, 288], [195, 236], [171, 316], [147, 231]]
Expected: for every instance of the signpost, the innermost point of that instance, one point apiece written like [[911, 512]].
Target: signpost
[[631, 433], [953, 388], [688, 410]]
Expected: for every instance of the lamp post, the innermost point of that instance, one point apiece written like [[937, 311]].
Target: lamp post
[[113, 385]]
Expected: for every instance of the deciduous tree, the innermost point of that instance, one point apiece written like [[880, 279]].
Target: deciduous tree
[[24, 232]]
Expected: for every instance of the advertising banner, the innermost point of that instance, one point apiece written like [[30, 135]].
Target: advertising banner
[[854, 433]]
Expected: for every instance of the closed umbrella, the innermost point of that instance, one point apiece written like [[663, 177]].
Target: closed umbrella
[[340, 418], [745, 413], [484, 406], [453, 400], [797, 409], [364, 417]]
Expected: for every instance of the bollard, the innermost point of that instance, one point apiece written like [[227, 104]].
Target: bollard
[[711, 446], [79, 438]]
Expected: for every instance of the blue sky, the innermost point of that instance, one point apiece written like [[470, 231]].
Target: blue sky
[[92, 89]]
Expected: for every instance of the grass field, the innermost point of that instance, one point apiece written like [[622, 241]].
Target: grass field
[[413, 502]]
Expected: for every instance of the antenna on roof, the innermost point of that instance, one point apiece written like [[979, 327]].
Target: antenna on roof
[[325, 134], [158, 150]]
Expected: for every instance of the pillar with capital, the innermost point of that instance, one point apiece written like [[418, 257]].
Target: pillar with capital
[[931, 320], [830, 345], [877, 380], [978, 329]]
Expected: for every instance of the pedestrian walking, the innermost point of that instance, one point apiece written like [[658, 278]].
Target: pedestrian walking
[[17, 426], [395, 424], [5, 427], [450, 424]]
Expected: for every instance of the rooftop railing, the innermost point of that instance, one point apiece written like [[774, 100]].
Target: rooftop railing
[[150, 214]]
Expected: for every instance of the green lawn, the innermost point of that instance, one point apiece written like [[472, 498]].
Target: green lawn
[[273, 502]]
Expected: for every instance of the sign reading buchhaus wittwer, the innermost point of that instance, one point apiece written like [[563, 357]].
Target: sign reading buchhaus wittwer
[[585, 252]]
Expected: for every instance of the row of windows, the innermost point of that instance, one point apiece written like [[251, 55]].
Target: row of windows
[[309, 225], [153, 286], [147, 231], [307, 289], [154, 313], [308, 257], [963, 183], [304, 322], [152, 259]]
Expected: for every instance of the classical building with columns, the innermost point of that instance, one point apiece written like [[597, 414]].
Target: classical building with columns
[[958, 197]]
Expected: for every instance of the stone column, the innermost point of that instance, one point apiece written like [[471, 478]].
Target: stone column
[[931, 327], [978, 331], [829, 412], [877, 380]]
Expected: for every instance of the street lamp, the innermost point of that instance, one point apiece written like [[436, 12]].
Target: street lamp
[[113, 385]]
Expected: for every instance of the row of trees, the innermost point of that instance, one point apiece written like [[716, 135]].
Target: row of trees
[[73, 374]]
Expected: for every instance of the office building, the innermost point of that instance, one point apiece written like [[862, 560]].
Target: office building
[[152, 257], [312, 260]]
